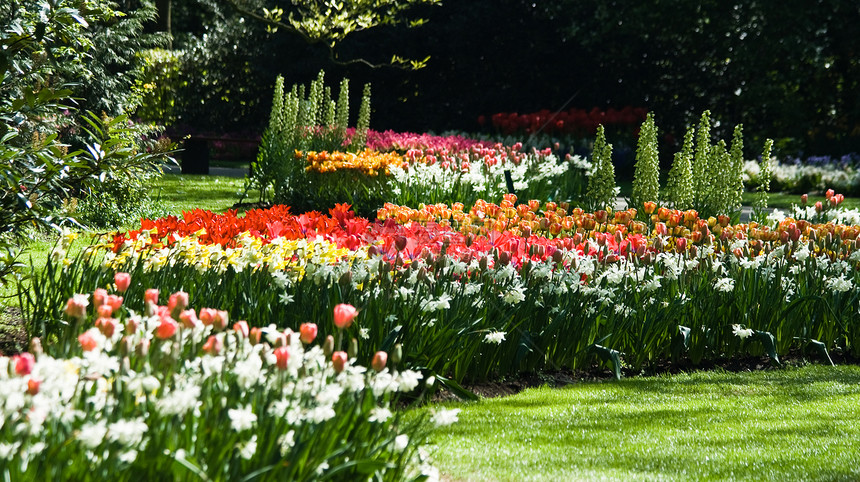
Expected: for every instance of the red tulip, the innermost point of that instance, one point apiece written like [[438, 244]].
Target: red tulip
[[308, 332], [282, 355]]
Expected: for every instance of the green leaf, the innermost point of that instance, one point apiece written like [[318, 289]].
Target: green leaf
[[456, 389], [821, 349], [608, 355], [681, 341], [769, 343]]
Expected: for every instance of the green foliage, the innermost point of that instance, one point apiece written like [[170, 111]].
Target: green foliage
[[735, 171], [679, 185], [330, 21], [46, 48], [764, 178], [702, 171], [646, 176], [300, 123], [158, 81], [601, 190]]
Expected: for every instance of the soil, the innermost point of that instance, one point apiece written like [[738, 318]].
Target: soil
[[13, 337]]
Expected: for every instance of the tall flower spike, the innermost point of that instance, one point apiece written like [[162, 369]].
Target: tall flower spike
[[679, 186], [702, 172], [735, 180], [646, 174]]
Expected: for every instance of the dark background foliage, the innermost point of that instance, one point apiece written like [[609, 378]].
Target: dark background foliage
[[788, 70]]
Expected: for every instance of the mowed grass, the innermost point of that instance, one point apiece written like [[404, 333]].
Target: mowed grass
[[183, 192], [791, 424]]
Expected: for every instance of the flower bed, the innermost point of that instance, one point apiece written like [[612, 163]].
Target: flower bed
[[165, 393], [499, 289]]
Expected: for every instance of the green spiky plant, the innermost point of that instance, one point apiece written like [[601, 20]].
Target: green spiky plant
[[703, 185], [601, 190], [299, 122], [646, 175], [735, 172], [679, 185], [760, 204]]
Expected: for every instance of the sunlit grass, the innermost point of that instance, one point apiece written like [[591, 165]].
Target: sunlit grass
[[792, 424]]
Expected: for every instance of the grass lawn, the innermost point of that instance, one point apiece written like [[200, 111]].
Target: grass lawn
[[791, 424]]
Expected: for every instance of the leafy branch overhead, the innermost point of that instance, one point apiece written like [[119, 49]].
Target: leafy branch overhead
[[328, 22]]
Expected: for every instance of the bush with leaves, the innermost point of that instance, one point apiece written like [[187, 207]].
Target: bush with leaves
[[46, 48]]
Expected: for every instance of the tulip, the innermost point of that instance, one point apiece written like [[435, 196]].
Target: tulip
[[99, 297], [241, 327], [328, 345], [104, 311], [178, 301], [33, 386], [282, 355], [343, 315], [213, 345], [108, 326], [308, 332], [24, 363], [166, 328], [255, 335], [379, 361], [76, 307], [220, 320], [122, 281], [188, 318], [151, 296], [804, 199], [87, 341], [142, 348], [207, 315], [338, 360], [114, 301]]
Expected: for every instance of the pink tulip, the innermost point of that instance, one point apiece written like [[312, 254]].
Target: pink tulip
[[122, 281], [220, 319], [241, 327], [87, 341], [99, 297], [343, 315], [206, 315], [151, 296], [338, 360], [379, 361], [76, 307], [213, 345], [104, 311], [114, 301], [255, 335], [282, 355], [188, 318], [167, 328], [177, 302], [131, 326], [308, 332], [24, 363], [108, 326]]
